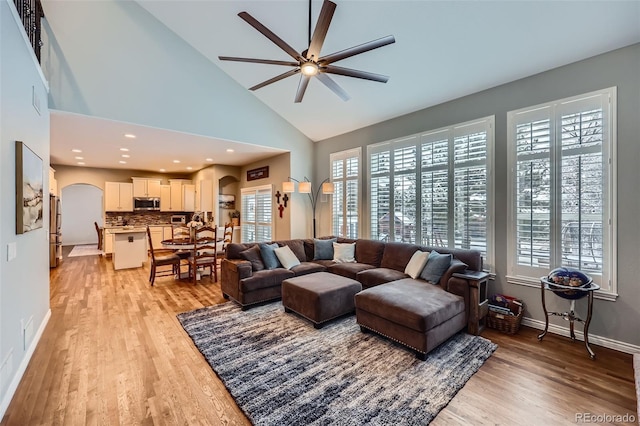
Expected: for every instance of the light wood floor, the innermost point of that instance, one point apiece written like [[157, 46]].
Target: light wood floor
[[114, 353]]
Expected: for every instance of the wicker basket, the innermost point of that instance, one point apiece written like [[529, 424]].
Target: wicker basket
[[509, 324]]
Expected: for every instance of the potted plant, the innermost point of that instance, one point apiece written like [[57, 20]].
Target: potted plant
[[235, 217]]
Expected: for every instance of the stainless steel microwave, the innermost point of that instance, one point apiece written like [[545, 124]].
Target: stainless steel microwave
[[146, 203]]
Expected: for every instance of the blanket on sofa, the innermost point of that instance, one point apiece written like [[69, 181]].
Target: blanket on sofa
[[281, 370]]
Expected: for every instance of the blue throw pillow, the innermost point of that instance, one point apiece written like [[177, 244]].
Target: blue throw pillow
[[437, 264], [323, 249], [269, 257]]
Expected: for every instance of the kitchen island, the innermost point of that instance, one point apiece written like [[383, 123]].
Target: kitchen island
[[129, 247]]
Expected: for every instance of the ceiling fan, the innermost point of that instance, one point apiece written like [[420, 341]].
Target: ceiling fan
[[309, 62]]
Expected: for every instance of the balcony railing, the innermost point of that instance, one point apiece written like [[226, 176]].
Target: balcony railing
[[31, 14]]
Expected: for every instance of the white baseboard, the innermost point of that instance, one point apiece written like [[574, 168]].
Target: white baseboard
[[13, 386], [596, 340]]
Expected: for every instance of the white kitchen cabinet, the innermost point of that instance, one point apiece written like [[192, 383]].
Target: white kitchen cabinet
[[157, 235], [107, 241], [189, 198], [143, 187], [118, 197], [129, 248], [177, 198], [165, 198]]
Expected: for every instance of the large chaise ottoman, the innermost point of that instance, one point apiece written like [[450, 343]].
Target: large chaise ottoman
[[320, 296], [412, 312]]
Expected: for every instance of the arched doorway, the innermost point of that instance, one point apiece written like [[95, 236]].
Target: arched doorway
[[81, 207]]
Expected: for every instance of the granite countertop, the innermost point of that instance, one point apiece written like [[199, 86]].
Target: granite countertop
[[127, 229]]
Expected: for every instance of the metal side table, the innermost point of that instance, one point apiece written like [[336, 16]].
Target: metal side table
[[573, 294]]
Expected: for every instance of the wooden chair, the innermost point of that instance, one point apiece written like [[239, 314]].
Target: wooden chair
[[204, 252], [99, 231], [181, 231], [161, 257], [227, 237]]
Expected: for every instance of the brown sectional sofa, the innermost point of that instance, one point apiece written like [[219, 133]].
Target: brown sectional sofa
[[448, 302]]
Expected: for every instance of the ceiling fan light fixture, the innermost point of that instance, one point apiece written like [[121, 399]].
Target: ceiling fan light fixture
[[309, 68]]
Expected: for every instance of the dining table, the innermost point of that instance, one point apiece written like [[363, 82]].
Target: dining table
[[185, 243]]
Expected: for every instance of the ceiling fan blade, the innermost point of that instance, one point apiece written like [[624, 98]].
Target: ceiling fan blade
[[332, 69], [302, 87], [356, 50], [257, 61], [276, 78], [270, 35], [320, 32], [328, 81]]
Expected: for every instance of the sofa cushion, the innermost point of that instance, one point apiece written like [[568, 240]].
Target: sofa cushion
[[305, 268], [297, 247], [344, 252], [416, 263], [377, 276], [253, 255], [411, 303], [349, 270], [323, 249], [437, 264], [369, 251], [265, 279], [269, 257], [286, 257], [396, 255]]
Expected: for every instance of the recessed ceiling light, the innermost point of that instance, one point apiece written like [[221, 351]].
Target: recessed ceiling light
[[231, 150], [209, 159], [81, 163], [125, 156], [162, 170], [124, 149], [79, 158], [176, 161], [122, 162], [76, 150], [129, 135], [189, 168]]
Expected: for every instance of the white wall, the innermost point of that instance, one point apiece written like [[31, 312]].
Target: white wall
[[81, 207], [24, 281]]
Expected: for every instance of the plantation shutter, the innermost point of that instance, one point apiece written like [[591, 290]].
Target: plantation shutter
[[379, 188], [256, 216], [345, 176]]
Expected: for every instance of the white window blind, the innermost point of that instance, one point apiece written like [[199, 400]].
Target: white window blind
[[257, 213], [562, 187], [441, 184], [345, 176]]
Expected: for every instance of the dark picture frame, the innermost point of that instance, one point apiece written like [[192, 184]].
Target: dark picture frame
[[29, 189], [227, 201]]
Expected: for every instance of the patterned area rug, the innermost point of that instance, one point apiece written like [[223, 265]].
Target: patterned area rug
[[282, 371], [85, 250]]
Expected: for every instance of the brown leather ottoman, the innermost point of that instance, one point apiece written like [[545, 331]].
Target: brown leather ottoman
[[412, 312], [319, 297]]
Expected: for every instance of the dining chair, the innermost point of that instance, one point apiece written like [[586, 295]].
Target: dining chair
[[204, 252], [227, 237], [99, 231], [159, 258], [181, 231]]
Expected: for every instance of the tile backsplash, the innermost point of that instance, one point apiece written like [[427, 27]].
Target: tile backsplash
[[141, 218]]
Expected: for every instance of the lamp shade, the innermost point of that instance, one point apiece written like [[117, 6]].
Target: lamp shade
[[288, 187], [304, 187], [327, 188]]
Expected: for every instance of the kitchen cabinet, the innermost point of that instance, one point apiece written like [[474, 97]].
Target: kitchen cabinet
[[129, 248], [178, 196], [107, 241], [146, 187], [189, 198], [165, 198], [204, 196], [159, 233], [118, 197]]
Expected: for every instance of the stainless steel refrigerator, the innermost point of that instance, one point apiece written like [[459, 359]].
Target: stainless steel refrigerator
[[55, 238]]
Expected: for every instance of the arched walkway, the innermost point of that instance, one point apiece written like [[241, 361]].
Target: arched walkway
[[81, 207]]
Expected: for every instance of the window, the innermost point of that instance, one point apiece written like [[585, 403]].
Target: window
[[345, 176], [434, 188], [256, 214], [561, 189]]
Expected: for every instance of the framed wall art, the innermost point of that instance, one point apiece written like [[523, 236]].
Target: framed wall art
[[227, 201], [29, 189]]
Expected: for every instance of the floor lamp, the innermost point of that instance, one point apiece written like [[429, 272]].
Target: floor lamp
[[304, 187]]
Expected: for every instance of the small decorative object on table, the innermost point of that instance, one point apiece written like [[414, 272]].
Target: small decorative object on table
[[505, 313], [235, 217]]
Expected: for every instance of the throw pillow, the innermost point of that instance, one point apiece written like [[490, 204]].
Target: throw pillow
[[267, 251], [437, 264], [253, 255], [416, 263], [323, 249], [344, 252], [287, 257]]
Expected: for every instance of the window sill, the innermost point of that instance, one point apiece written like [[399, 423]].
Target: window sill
[[530, 282]]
